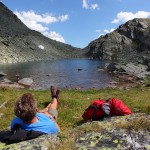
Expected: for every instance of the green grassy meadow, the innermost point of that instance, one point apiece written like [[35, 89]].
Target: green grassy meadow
[[73, 103]]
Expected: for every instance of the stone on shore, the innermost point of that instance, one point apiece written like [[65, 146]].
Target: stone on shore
[[14, 85], [26, 81], [2, 74]]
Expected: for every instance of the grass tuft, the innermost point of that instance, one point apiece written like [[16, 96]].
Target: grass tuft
[[136, 124]]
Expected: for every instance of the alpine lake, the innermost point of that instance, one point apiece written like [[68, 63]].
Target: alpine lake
[[69, 73]]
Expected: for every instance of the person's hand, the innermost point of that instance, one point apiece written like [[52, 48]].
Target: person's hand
[[50, 116], [45, 111]]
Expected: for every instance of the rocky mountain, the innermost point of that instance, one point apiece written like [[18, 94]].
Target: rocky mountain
[[20, 44], [129, 43]]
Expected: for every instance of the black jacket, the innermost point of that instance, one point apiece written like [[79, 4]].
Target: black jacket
[[17, 135]]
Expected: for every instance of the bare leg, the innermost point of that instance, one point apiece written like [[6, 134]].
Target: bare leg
[[53, 104]]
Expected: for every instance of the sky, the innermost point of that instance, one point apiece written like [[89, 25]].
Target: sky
[[77, 22]]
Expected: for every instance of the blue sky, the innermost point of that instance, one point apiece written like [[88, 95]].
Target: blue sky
[[77, 22]]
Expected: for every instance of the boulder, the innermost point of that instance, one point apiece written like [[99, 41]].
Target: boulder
[[6, 81], [2, 74], [114, 136], [138, 70], [41, 143], [114, 67], [146, 61], [26, 81], [120, 139], [129, 71]]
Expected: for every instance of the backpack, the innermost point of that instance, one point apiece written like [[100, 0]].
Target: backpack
[[118, 108], [94, 111], [99, 109]]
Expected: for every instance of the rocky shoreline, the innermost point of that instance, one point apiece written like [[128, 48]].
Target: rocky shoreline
[[128, 75], [20, 84]]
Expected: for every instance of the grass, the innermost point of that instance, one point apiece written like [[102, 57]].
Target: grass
[[73, 104], [137, 124]]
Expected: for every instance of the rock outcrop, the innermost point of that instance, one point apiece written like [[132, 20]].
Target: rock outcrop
[[44, 142], [129, 43], [20, 44], [116, 133], [137, 71]]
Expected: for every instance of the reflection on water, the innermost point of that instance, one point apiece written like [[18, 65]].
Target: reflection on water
[[76, 73]]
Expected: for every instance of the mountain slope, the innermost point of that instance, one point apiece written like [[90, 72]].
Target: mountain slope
[[130, 42], [20, 44]]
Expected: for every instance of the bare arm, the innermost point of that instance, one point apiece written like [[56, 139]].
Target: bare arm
[[58, 127]]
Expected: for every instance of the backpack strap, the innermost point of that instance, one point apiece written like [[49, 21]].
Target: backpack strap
[[94, 107]]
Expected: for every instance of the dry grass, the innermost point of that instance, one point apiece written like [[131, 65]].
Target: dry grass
[[137, 124]]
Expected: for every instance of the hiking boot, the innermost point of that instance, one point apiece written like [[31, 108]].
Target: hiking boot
[[53, 91], [58, 94]]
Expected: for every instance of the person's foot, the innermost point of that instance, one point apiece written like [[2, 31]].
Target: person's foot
[[58, 94], [53, 91]]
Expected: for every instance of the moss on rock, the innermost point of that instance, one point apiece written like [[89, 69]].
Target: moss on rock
[[117, 133]]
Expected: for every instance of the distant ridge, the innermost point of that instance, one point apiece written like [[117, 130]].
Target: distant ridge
[[20, 44]]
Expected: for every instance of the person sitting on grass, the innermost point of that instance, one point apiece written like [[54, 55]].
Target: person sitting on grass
[[30, 119]]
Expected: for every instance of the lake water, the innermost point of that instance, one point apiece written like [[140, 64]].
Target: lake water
[[74, 73]]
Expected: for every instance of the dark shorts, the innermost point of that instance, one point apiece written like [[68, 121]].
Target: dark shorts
[[53, 112]]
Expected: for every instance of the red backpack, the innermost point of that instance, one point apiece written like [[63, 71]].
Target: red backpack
[[94, 111], [118, 108]]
